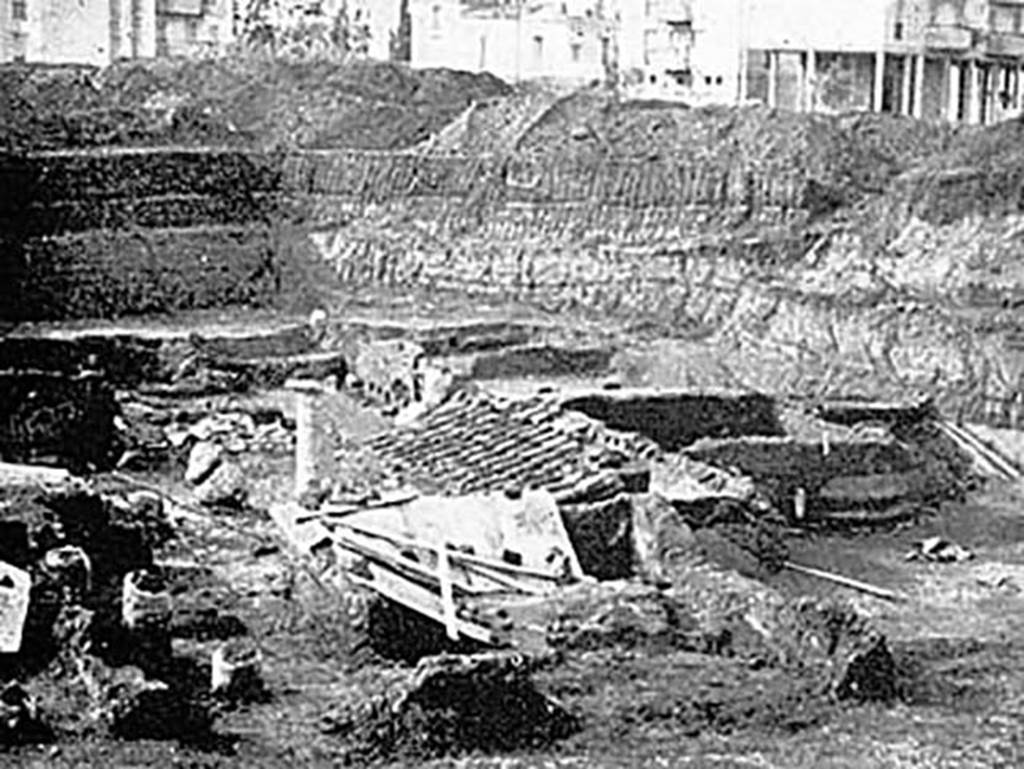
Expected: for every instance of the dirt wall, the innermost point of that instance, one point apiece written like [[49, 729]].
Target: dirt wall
[[111, 233]]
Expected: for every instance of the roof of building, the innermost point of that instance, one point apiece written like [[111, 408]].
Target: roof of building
[[475, 441]]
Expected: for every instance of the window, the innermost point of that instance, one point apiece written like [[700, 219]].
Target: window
[[574, 50], [897, 32], [191, 30], [435, 18], [19, 10], [538, 48]]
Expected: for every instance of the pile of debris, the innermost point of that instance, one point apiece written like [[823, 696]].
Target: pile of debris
[[501, 577], [523, 536], [86, 642], [450, 704]]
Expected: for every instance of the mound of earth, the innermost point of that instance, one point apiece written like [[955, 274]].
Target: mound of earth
[[243, 100]]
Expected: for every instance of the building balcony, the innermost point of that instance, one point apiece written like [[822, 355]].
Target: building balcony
[[670, 11], [180, 7], [948, 37], [1009, 44]]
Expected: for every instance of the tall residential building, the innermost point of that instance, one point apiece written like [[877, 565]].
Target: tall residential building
[[184, 27], [958, 60], [99, 32], [564, 40], [75, 31]]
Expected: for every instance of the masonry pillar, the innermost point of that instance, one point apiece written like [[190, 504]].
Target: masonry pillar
[[744, 75], [307, 436], [952, 90], [972, 85], [810, 79], [907, 92], [773, 79], [1015, 89], [879, 85], [918, 98]]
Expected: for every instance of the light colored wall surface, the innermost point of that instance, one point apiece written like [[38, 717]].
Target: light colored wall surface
[[539, 44], [69, 31]]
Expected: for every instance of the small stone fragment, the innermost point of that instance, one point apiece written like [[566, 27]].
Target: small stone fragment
[[225, 487], [204, 458]]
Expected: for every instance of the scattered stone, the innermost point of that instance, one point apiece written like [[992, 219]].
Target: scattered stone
[[661, 538], [203, 459], [224, 487], [146, 615], [939, 550], [69, 570], [15, 587], [235, 670]]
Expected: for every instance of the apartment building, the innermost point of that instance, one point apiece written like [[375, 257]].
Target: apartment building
[[99, 32], [561, 40], [679, 49], [957, 60], [188, 27], [76, 31]]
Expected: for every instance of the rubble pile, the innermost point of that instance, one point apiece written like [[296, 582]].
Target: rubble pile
[[737, 632], [451, 705], [94, 652]]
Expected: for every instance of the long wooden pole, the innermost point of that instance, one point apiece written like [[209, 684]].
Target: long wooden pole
[[839, 579]]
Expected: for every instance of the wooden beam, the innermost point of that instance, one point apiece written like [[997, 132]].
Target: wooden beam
[[420, 600]]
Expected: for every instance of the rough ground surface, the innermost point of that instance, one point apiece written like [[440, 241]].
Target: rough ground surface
[[956, 641], [960, 700]]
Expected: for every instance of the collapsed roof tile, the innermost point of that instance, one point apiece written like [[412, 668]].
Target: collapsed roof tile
[[475, 441]]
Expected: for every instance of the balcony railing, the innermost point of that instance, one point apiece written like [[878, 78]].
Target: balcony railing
[[670, 10], [1009, 44], [949, 37], [180, 7]]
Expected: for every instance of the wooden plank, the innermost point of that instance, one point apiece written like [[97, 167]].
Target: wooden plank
[[420, 600], [408, 568], [455, 555]]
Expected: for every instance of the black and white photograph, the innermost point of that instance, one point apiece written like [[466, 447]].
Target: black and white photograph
[[498, 384]]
